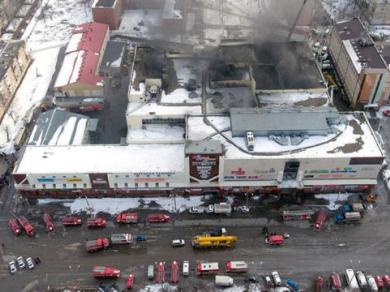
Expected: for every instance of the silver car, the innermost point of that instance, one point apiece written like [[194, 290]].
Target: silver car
[[30, 263], [12, 267], [21, 263]]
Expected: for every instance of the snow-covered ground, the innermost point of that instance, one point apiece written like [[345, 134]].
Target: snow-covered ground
[[116, 205], [50, 28], [335, 200]]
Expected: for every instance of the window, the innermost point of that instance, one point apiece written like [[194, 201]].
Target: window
[[84, 186], [115, 185], [127, 176], [74, 186], [167, 184], [43, 186], [34, 186], [126, 185], [64, 186], [54, 186], [157, 185], [64, 176], [116, 176], [136, 185], [146, 185], [366, 160], [291, 170]]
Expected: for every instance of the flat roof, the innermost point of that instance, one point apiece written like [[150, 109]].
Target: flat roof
[[205, 147], [282, 121], [113, 55], [353, 139], [356, 39], [151, 109], [102, 159]]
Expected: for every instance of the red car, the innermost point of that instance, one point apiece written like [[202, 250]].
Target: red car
[[158, 218], [386, 281], [96, 222], [48, 222], [14, 226], [174, 272], [275, 240], [106, 272], [71, 221], [335, 281], [318, 284], [127, 217], [160, 276], [130, 281], [386, 112], [379, 282]]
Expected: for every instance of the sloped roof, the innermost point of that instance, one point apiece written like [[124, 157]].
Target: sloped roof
[[81, 60]]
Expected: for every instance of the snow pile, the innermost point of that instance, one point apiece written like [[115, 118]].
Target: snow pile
[[335, 200], [158, 288], [117, 205]]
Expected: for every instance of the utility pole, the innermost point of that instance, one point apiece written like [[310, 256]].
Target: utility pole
[[296, 20]]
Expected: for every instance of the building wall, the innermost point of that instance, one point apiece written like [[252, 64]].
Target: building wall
[[109, 15], [12, 78], [8, 9]]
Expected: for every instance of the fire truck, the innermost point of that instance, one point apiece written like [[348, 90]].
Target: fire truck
[[236, 267], [96, 222], [97, 244], [297, 215], [160, 275], [175, 272], [48, 222], [26, 225], [207, 268], [14, 226], [127, 217], [158, 218], [106, 272]]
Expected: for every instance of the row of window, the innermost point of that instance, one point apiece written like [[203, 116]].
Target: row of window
[[126, 185], [144, 175]]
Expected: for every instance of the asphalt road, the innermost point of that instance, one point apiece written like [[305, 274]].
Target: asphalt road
[[305, 255]]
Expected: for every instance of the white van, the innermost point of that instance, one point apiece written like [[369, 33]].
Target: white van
[[276, 277], [186, 268]]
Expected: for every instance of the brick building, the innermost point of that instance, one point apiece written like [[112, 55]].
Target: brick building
[[108, 12]]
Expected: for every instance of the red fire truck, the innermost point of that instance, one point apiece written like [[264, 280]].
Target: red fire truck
[[158, 218], [14, 226], [236, 267], [26, 225], [106, 272], [320, 219], [127, 217], [207, 268], [160, 275], [175, 272], [48, 222], [96, 222], [97, 244]]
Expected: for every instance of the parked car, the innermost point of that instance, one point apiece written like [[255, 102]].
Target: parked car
[[30, 263], [196, 210], [361, 278], [386, 281], [386, 112], [186, 268], [268, 282], [14, 226], [243, 209], [276, 239], [96, 222], [12, 267], [371, 283], [140, 237], [379, 282], [21, 263], [178, 242], [276, 277], [293, 285], [318, 284], [335, 281], [210, 209], [71, 221], [130, 281], [151, 272]]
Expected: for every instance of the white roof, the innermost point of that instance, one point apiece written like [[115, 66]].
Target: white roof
[[70, 69], [152, 108], [102, 159], [74, 42], [155, 134], [349, 142]]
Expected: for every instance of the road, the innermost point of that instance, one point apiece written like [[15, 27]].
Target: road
[[305, 255]]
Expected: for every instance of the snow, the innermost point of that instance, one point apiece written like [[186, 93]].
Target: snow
[[146, 108], [335, 200], [103, 158], [74, 42], [116, 205], [139, 22], [198, 130], [354, 57], [48, 30], [289, 97], [68, 68], [156, 134], [179, 95]]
